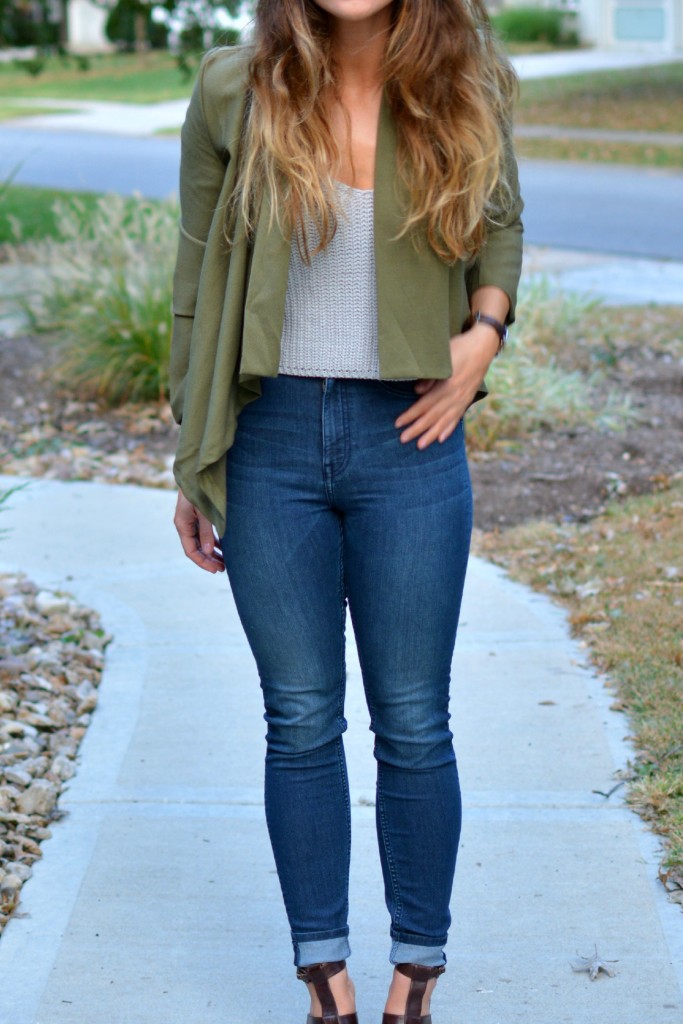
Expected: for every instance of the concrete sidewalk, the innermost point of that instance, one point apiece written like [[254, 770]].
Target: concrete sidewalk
[[612, 280], [156, 900], [577, 62], [138, 119]]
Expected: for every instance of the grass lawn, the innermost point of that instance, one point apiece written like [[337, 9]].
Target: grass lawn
[[601, 152], [640, 99], [621, 578], [129, 78], [32, 207], [8, 111]]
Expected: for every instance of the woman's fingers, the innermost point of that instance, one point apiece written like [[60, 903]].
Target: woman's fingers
[[207, 540], [197, 536], [424, 385], [433, 417], [442, 403]]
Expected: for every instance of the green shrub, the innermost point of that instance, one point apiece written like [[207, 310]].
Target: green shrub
[[104, 283], [536, 25], [530, 389], [27, 24]]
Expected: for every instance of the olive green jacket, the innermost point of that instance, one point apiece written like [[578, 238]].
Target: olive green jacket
[[228, 303]]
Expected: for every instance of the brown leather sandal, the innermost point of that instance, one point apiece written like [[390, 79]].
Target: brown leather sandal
[[318, 975], [419, 976]]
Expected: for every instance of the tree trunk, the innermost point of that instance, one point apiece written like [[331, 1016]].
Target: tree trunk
[[140, 32], [63, 37]]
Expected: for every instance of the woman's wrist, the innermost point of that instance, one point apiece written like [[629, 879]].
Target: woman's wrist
[[487, 339], [478, 318]]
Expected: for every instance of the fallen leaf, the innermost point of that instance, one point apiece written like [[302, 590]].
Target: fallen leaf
[[592, 965]]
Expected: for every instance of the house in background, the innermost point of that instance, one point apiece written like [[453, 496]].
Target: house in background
[[85, 27], [645, 25], [632, 24]]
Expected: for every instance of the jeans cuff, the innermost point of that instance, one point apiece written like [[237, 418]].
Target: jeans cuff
[[321, 951], [407, 953]]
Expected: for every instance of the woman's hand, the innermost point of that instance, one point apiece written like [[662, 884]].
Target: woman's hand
[[442, 403], [197, 536]]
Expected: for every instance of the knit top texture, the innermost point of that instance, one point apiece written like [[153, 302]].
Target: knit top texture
[[330, 324]]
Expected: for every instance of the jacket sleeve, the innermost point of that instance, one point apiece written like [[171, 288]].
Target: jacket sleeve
[[202, 172], [499, 262]]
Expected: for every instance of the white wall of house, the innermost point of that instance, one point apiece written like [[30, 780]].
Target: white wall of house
[[645, 25], [85, 27]]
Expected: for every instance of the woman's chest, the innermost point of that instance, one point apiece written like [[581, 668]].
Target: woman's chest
[[354, 127]]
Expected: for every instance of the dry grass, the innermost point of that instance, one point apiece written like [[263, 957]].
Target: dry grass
[[641, 99], [533, 385], [621, 579], [600, 152], [601, 337]]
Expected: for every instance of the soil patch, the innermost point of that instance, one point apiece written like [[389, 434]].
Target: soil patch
[[45, 432], [571, 475]]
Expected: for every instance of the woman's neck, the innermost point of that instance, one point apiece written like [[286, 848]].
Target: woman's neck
[[358, 48]]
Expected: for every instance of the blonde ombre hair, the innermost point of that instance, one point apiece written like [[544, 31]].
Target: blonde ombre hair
[[450, 93]]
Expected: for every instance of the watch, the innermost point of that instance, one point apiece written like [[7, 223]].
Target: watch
[[483, 318]]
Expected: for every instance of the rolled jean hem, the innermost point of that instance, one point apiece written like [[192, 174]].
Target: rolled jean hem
[[321, 951], [408, 953]]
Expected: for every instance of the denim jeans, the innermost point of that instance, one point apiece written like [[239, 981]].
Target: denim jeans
[[324, 506]]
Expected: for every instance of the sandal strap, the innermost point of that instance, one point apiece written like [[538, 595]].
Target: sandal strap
[[346, 1018], [318, 975], [418, 971], [395, 1018], [419, 976]]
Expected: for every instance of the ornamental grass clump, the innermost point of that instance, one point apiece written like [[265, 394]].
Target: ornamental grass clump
[[530, 385], [103, 283]]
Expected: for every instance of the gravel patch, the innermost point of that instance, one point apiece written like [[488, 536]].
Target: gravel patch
[[51, 660]]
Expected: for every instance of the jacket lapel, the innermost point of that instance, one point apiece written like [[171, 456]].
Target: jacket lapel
[[412, 283], [264, 310]]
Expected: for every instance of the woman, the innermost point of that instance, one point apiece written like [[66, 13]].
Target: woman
[[349, 254]]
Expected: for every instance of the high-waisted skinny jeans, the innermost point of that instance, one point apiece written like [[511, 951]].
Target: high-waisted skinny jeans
[[325, 505]]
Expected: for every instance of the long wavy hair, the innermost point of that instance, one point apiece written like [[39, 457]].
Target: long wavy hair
[[450, 93]]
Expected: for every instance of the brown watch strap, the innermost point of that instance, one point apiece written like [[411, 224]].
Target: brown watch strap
[[483, 318]]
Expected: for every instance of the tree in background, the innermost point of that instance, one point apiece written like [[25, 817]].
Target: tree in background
[[194, 26], [187, 25], [32, 22], [130, 24]]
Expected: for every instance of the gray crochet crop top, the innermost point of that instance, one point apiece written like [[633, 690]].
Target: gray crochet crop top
[[330, 325]]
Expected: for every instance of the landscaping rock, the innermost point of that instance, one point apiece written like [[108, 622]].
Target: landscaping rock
[[47, 603], [40, 798], [22, 871], [9, 893], [17, 776], [51, 657]]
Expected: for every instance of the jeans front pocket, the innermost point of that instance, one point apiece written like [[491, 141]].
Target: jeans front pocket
[[406, 388]]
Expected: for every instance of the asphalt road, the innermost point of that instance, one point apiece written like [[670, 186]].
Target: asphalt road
[[592, 207]]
